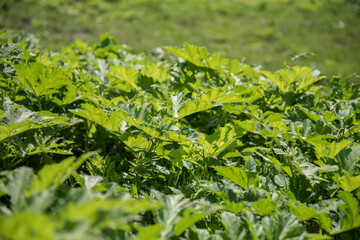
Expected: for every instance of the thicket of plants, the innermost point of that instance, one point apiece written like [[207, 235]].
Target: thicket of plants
[[99, 143]]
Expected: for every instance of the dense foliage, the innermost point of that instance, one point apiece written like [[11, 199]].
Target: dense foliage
[[99, 143]]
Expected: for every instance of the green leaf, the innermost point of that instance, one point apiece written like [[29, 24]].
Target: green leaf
[[224, 138], [39, 79], [91, 209], [155, 72], [238, 176], [237, 110], [87, 181], [179, 213], [351, 209], [281, 180], [264, 207], [171, 213], [320, 145], [309, 114], [348, 159], [191, 53], [51, 176], [235, 207], [110, 120], [207, 101], [348, 183], [292, 80], [28, 76], [234, 226], [198, 56], [269, 226], [126, 74], [177, 103], [18, 119], [325, 149], [325, 221], [40, 202], [287, 226], [17, 183], [304, 213], [25, 225], [96, 115], [198, 234], [253, 225], [151, 232], [190, 217], [68, 97], [257, 128], [336, 147], [136, 141]]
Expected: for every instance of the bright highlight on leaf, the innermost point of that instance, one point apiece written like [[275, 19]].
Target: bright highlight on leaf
[[238, 175]]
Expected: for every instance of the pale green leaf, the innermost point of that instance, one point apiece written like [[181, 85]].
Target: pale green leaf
[[110, 120], [26, 225], [336, 147], [348, 183], [18, 119], [207, 101], [320, 145], [304, 213], [87, 181], [188, 220], [234, 226], [238, 176], [221, 140], [39, 79], [199, 56], [352, 211], [91, 209], [176, 103], [155, 72], [235, 207], [325, 221], [170, 215], [129, 75], [264, 207], [292, 80], [17, 183], [191, 53], [348, 159], [151, 232], [287, 226]]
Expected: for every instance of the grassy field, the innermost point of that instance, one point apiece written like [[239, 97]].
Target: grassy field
[[270, 33]]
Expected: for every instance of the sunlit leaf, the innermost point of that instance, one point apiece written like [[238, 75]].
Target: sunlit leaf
[[348, 183], [352, 212], [128, 75], [39, 79], [264, 207], [25, 225], [237, 175], [151, 232], [222, 139], [304, 213]]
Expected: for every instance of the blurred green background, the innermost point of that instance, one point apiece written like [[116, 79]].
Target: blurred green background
[[323, 34]]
